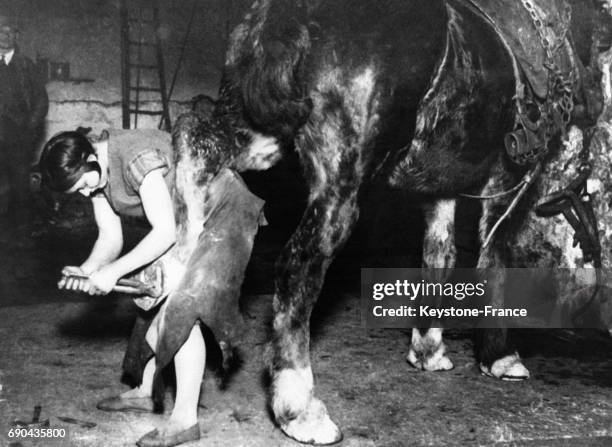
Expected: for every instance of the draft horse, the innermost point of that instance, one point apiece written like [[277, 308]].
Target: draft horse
[[419, 93]]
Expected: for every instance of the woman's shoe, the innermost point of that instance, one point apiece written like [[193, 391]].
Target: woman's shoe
[[168, 438], [118, 403]]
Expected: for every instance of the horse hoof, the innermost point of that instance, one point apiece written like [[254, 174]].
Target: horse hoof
[[313, 426], [509, 368], [436, 362]]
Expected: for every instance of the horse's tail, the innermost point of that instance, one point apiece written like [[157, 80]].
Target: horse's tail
[[264, 68]]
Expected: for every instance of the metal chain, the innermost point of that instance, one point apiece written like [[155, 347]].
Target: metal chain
[[555, 112], [560, 86]]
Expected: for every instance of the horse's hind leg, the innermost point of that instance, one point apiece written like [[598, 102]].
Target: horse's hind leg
[[427, 350], [496, 356]]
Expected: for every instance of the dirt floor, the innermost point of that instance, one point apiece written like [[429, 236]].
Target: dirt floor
[[63, 351]]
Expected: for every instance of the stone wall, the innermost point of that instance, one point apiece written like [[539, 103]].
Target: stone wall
[[86, 35]]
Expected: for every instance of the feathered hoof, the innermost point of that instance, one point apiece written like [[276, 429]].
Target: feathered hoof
[[436, 362], [509, 368], [313, 426]]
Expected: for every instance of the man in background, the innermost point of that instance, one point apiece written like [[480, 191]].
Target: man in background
[[23, 107]]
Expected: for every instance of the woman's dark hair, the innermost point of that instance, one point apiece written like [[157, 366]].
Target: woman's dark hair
[[64, 160]]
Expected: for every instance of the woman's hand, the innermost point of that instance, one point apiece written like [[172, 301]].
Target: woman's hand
[[68, 281], [101, 282]]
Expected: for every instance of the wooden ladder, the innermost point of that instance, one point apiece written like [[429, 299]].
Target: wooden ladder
[[141, 55]]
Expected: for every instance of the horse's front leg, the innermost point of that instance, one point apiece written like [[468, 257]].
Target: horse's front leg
[[301, 270], [427, 350]]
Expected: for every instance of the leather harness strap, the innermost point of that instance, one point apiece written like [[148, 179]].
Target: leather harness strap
[[574, 202], [537, 120]]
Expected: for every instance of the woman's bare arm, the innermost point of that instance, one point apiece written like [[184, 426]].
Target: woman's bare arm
[[109, 243], [159, 210], [106, 249]]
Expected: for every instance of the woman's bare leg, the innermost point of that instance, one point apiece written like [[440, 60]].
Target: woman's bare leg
[[145, 389], [189, 364], [182, 425]]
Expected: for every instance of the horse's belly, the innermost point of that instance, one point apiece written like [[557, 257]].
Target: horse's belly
[[441, 173], [463, 117]]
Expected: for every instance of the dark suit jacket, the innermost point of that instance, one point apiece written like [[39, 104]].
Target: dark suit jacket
[[23, 100]]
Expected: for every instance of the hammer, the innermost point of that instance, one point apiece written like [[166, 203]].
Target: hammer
[[129, 286]]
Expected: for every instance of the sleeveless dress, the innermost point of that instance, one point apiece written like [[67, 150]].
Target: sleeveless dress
[[132, 154], [207, 289]]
